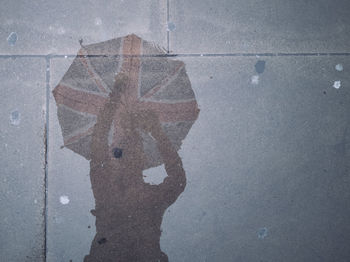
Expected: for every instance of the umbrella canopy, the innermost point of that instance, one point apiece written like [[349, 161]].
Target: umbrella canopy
[[155, 83]]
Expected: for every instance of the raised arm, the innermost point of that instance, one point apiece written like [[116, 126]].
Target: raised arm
[[99, 143], [174, 184]]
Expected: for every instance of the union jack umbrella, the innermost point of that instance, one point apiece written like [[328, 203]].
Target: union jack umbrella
[[155, 83]]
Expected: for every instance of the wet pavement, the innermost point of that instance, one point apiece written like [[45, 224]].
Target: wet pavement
[[267, 161]]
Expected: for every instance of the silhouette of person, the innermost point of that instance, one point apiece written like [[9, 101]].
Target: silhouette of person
[[129, 211]]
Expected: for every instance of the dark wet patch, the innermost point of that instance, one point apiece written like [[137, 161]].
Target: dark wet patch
[[211, 77], [12, 38], [262, 233], [89, 226], [171, 26], [120, 200], [260, 66], [324, 92], [15, 117], [102, 241], [117, 152]]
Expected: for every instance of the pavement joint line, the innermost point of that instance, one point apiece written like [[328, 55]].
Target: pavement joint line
[[167, 22], [52, 56], [48, 78]]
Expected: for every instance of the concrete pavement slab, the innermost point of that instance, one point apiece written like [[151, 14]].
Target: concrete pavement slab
[[70, 223], [43, 27], [266, 162], [22, 159], [247, 26]]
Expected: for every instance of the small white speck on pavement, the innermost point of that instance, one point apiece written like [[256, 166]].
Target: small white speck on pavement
[[64, 200], [339, 67], [337, 84], [255, 79]]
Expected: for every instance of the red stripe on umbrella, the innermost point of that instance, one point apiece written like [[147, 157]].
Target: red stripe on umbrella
[[81, 100]]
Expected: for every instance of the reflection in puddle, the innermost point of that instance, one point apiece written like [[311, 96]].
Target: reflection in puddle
[[127, 108]]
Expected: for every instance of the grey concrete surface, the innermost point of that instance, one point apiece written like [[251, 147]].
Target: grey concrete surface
[[69, 235], [243, 26], [22, 159], [44, 27], [267, 162]]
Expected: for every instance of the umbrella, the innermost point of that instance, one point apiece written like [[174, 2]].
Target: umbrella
[[155, 83]]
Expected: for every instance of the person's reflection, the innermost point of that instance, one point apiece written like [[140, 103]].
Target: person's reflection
[[129, 211]]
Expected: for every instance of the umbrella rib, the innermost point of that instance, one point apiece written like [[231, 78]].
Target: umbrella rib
[[165, 82], [65, 84], [93, 74], [83, 114], [75, 138], [79, 100]]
